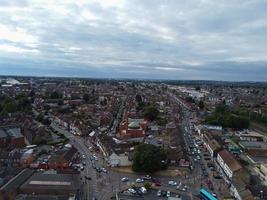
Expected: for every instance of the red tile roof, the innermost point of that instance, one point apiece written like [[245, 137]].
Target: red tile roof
[[230, 160]]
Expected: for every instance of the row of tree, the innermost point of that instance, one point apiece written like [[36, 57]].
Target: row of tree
[[22, 102], [149, 158], [227, 118]]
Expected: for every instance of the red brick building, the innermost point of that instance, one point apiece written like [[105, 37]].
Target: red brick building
[[133, 128]]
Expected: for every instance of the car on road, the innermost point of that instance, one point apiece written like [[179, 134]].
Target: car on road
[[181, 188], [88, 178], [125, 179], [146, 177], [163, 193], [95, 157], [168, 194], [131, 190], [83, 156], [104, 170], [157, 184], [81, 168], [139, 180], [159, 193], [217, 177], [173, 183], [210, 165], [139, 192]]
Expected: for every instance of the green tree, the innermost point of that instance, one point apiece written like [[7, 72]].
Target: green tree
[[197, 88], [151, 112], [222, 108], [190, 99], [148, 158], [86, 97], [138, 98], [147, 185], [10, 107], [201, 104], [55, 95]]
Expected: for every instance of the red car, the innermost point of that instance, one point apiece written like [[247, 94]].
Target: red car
[[157, 184]]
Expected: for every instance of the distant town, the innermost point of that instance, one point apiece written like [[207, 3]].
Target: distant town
[[85, 139]]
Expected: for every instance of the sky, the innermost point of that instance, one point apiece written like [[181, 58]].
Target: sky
[[144, 39]]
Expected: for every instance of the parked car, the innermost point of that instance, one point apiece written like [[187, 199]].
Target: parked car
[[143, 190], [125, 179], [104, 170], [205, 174], [163, 193], [131, 190], [159, 193], [88, 178], [139, 180], [139, 192], [173, 183], [146, 177], [217, 177], [181, 188], [168, 194]]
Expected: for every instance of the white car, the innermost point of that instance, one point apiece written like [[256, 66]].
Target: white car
[[125, 179], [159, 193], [139, 180], [104, 170], [168, 194], [173, 183], [181, 188], [131, 190]]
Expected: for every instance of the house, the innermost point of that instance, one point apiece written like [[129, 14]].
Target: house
[[211, 144], [254, 148], [27, 158], [233, 147], [16, 138], [12, 135], [3, 138], [51, 184], [116, 152], [239, 191], [62, 158], [251, 136], [11, 188], [228, 164], [261, 171]]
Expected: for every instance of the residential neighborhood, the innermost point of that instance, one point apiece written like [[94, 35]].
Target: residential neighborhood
[[124, 139]]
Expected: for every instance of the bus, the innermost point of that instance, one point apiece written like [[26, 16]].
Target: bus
[[205, 195]]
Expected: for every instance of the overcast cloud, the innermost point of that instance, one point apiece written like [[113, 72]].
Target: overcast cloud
[[170, 39]]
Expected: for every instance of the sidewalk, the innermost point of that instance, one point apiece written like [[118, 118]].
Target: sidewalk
[[170, 172]]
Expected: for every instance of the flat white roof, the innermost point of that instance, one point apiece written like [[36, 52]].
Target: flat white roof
[[49, 183]]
